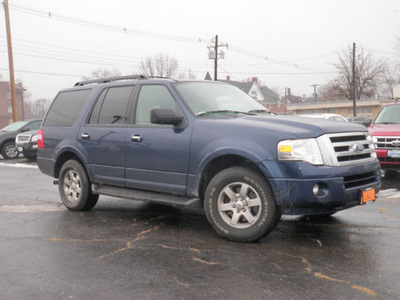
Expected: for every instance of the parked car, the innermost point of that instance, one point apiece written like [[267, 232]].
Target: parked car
[[202, 144], [360, 120], [8, 134], [332, 117], [26, 143], [385, 133]]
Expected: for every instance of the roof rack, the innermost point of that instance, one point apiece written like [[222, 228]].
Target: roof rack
[[110, 79]]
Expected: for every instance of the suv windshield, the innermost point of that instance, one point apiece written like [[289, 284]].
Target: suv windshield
[[389, 115], [205, 98], [14, 126]]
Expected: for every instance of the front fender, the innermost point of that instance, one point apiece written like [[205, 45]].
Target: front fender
[[245, 148]]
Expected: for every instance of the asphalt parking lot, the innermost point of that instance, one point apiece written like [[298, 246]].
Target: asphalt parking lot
[[131, 250]]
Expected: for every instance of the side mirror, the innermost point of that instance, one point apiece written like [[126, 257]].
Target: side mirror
[[25, 129], [367, 122], [165, 116]]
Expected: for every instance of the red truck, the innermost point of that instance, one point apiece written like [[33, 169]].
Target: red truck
[[385, 133]]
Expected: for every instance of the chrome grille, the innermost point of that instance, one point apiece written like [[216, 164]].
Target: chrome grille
[[342, 149], [23, 138], [387, 142]]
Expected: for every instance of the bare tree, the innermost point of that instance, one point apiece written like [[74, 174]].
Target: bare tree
[[369, 75], [187, 74], [159, 65], [102, 73], [36, 108]]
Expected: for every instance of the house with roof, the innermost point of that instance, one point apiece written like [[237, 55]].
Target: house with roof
[[251, 88], [267, 97], [6, 112]]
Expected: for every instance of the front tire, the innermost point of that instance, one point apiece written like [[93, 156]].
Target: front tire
[[74, 187], [9, 150], [240, 205]]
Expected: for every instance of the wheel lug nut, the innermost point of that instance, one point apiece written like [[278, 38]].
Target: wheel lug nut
[[233, 205], [238, 211]]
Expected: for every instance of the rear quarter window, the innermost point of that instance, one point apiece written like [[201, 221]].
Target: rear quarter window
[[66, 107]]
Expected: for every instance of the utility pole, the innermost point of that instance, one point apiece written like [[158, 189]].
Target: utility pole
[[216, 58], [213, 54], [354, 80], [285, 100], [10, 62], [315, 91]]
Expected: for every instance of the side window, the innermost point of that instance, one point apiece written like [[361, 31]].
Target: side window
[[152, 96], [66, 107], [111, 107]]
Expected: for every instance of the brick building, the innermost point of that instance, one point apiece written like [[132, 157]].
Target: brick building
[[6, 115]]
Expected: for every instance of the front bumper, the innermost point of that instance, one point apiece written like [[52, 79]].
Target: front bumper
[[340, 187]]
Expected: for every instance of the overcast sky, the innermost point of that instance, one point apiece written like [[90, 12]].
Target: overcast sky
[[288, 43]]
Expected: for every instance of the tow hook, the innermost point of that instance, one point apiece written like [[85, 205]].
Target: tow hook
[[55, 182]]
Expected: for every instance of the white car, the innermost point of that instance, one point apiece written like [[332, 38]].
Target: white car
[[333, 117]]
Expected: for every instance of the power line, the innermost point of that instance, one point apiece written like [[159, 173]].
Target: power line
[[43, 73], [125, 30], [102, 26]]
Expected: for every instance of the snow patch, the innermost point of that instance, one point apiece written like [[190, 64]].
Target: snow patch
[[23, 166]]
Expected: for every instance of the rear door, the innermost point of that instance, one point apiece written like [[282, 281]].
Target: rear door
[[157, 156], [102, 138]]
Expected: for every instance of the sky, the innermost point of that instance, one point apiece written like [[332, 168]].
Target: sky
[[285, 43]]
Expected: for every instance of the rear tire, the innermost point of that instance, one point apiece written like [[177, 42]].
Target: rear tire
[[240, 205], [74, 187]]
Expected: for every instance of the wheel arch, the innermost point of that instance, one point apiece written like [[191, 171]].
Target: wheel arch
[[6, 141], [219, 163], [65, 156]]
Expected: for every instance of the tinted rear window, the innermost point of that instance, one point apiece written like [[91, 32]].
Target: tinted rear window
[[66, 107]]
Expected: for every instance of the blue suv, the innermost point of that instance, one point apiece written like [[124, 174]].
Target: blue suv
[[202, 144]]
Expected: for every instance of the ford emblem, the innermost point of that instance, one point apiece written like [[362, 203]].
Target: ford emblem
[[358, 147], [396, 143]]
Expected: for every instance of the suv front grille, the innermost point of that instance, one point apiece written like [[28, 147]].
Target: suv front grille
[[348, 148], [23, 138], [387, 142]]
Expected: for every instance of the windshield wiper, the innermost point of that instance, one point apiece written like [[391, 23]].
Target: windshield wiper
[[260, 111], [387, 123], [222, 111]]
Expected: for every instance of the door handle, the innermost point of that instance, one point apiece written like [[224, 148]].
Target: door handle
[[136, 138], [85, 136]]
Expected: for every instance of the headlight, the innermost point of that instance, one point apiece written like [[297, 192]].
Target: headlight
[[35, 138], [302, 149], [373, 140]]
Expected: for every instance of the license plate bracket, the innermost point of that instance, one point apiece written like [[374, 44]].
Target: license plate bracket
[[367, 196]]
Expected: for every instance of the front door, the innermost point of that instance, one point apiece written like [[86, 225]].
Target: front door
[[157, 156]]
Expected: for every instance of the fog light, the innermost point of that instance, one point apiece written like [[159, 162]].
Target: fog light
[[315, 189]]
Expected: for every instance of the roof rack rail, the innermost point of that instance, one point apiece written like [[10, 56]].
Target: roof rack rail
[[110, 79]]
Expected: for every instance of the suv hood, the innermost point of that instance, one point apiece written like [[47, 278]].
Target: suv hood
[[384, 129], [300, 127]]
